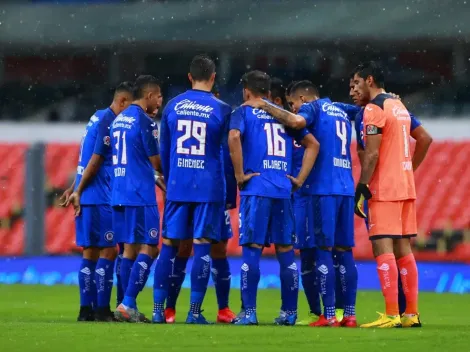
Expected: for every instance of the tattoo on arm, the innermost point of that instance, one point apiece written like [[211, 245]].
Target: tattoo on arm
[[284, 117]]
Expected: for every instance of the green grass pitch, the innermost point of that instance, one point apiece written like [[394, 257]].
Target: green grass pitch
[[38, 318]]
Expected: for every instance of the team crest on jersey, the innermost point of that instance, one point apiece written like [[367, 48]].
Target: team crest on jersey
[[297, 145], [107, 140], [155, 133], [109, 236], [153, 233]]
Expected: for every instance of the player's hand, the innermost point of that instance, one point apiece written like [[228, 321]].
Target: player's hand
[[65, 197], [256, 103], [74, 199], [244, 178], [160, 182], [296, 184], [362, 194]]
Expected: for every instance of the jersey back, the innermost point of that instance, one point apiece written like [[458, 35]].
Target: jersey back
[[96, 140], [267, 148], [393, 177], [134, 138], [193, 129], [332, 172]]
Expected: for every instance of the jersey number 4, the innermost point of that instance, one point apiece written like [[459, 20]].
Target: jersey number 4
[[276, 142], [342, 134], [196, 130]]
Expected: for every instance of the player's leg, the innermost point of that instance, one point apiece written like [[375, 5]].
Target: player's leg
[[175, 229], [221, 274], [305, 243], [144, 225], [325, 219], [206, 223], [407, 265], [254, 217], [86, 279], [178, 274], [129, 251], [385, 225], [401, 297], [346, 271], [282, 233], [104, 273], [339, 299], [117, 271]]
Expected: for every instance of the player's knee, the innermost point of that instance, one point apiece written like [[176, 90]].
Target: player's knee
[[342, 248], [150, 250], [283, 248], [109, 253], [131, 251], [402, 247], [170, 242], [382, 246], [91, 253], [253, 245], [185, 248], [202, 240], [219, 250]]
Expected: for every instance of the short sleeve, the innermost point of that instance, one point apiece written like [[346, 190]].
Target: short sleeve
[[415, 122], [165, 145], [149, 131], [374, 119], [309, 113], [237, 120], [103, 139], [349, 109]]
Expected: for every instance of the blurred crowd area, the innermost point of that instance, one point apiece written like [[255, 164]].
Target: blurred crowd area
[[62, 58]]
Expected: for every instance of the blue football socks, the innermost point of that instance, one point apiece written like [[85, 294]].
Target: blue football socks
[[86, 283], [222, 278], [104, 281], [250, 276], [162, 275], [308, 276], [200, 273], [139, 275], [348, 278], [290, 279], [178, 274], [326, 280]]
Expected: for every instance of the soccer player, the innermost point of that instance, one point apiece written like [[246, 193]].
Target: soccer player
[[331, 187], [136, 220], [392, 212], [423, 141], [261, 152], [91, 199], [220, 271], [193, 130]]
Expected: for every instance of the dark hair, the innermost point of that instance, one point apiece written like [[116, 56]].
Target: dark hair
[[125, 87], [142, 83], [305, 86], [289, 87], [257, 82], [372, 69], [202, 67], [278, 90]]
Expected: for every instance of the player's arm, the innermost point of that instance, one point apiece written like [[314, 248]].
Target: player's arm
[[349, 109], [288, 119], [237, 127], [374, 121], [312, 148], [423, 141], [149, 134]]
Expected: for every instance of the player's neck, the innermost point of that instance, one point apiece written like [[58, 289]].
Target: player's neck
[[374, 92], [204, 86], [140, 103], [114, 108]]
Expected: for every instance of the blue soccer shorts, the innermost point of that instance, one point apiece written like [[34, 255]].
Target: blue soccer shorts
[[137, 224], [266, 220], [333, 221], [226, 227], [303, 214], [94, 227], [182, 220]]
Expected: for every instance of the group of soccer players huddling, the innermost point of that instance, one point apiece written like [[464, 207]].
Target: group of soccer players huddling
[[288, 152]]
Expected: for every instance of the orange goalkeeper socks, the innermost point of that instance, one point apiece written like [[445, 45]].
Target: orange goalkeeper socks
[[388, 276], [409, 279]]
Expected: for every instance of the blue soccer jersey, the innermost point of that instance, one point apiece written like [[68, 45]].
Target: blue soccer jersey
[[96, 140], [193, 129], [134, 139], [267, 148], [230, 181], [332, 173]]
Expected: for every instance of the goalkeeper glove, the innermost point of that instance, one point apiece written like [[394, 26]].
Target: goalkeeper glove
[[362, 194]]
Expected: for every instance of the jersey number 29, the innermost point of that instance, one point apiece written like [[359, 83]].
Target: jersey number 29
[[195, 129]]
